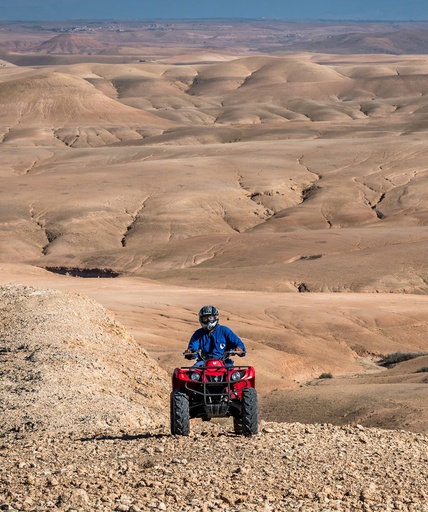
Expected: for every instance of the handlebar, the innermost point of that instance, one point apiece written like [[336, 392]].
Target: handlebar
[[205, 357]]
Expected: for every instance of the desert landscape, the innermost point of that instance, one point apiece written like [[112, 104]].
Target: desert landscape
[[276, 170]]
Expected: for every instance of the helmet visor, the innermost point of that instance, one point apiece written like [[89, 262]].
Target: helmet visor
[[206, 319]]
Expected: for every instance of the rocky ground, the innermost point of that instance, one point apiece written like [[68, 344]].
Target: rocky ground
[[285, 467], [84, 427]]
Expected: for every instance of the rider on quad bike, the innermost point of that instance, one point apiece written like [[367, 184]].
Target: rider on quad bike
[[214, 387], [213, 339]]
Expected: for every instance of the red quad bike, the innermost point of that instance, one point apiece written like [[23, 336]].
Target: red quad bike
[[214, 390]]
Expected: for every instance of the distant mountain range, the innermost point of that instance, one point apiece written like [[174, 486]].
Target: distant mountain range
[[397, 42], [229, 36]]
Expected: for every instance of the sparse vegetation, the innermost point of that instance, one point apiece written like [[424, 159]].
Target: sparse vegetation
[[399, 357], [424, 369], [326, 375]]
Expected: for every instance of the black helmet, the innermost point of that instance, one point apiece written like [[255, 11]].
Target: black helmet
[[208, 317]]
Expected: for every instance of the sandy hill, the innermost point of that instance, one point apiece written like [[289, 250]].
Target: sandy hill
[[259, 90], [57, 99], [70, 44], [254, 96], [262, 71], [53, 108], [68, 366]]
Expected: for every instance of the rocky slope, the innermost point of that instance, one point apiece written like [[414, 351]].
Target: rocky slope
[[67, 365], [84, 427]]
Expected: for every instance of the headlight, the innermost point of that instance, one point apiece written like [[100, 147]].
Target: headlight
[[195, 376], [237, 375]]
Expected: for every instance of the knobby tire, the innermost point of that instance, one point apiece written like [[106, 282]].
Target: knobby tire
[[180, 416], [249, 412]]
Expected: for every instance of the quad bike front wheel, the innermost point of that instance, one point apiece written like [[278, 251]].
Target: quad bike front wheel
[[248, 424], [237, 425], [179, 413]]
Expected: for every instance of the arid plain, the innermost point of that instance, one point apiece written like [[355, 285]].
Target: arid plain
[[157, 169]]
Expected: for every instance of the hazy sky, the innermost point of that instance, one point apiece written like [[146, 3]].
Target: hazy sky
[[143, 9]]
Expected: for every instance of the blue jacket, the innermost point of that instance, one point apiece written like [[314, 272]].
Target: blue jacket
[[216, 342]]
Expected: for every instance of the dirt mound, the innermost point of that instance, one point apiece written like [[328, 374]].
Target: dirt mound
[[67, 365], [70, 44]]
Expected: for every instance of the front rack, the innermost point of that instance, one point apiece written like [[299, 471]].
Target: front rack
[[204, 387]]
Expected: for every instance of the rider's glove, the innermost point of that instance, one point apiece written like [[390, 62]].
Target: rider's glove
[[188, 354]]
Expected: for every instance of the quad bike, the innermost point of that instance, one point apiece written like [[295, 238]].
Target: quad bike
[[214, 390]]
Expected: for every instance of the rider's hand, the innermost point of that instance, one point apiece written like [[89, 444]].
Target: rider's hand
[[188, 354], [239, 351]]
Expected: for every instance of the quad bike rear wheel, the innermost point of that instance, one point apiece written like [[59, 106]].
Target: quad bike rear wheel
[[249, 419], [179, 413]]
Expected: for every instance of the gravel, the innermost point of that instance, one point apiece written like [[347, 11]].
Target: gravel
[[285, 467]]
